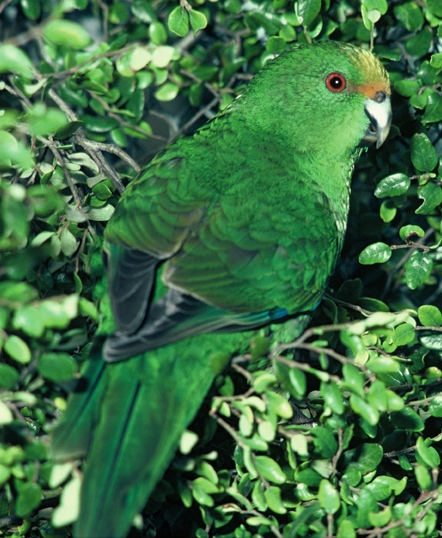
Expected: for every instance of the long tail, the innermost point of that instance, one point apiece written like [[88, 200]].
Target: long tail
[[128, 422]]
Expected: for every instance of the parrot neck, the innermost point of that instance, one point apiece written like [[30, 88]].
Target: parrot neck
[[332, 176]]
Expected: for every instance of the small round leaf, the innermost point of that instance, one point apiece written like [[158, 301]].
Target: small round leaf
[[375, 253]]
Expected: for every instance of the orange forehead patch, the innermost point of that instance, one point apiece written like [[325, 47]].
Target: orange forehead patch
[[370, 90]]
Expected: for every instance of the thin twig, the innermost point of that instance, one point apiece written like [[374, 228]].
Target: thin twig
[[81, 139], [112, 148]]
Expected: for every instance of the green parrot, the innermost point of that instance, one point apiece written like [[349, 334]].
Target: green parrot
[[237, 226]]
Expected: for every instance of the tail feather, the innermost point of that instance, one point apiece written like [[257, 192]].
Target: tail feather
[[142, 406]]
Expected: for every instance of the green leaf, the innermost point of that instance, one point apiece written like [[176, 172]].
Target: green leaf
[[198, 20], [57, 367], [430, 316], [428, 454], [435, 406], [20, 292], [139, 58], [432, 341], [144, 11], [6, 416], [201, 497], [328, 497], [381, 365], [419, 45], [157, 33], [31, 8], [423, 154], [431, 193], [275, 45], [14, 60], [8, 376], [205, 485], [188, 440], [162, 56], [407, 232], [102, 192], [410, 15], [263, 381], [256, 521], [17, 349], [364, 409], [133, 61], [298, 382], [434, 7], [433, 109], [258, 498], [269, 469], [167, 92], [372, 10], [353, 378], [83, 159], [59, 473], [377, 396], [407, 88], [245, 425], [333, 397], [393, 185], [395, 402], [96, 124], [346, 529], [403, 334], [307, 476], [29, 497], [13, 152], [66, 33], [407, 419], [205, 469], [69, 508], [178, 21], [254, 401], [28, 319], [324, 441], [118, 13], [375, 253], [279, 405], [67, 130], [5, 472], [380, 519], [101, 214], [417, 269], [68, 242], [423, 477], [308, 10], [272, 496], [387, 211], [299, 444]]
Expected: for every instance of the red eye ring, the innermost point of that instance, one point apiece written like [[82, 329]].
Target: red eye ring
[[335, 82]]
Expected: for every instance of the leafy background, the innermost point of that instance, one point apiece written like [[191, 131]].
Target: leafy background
[[337, 433]]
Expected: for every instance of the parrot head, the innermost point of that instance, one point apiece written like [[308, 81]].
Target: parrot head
[[335, 95]]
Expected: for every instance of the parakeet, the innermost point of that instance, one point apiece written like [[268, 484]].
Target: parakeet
[[235, 227]]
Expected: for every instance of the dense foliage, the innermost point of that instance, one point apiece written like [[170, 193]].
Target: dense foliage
[[337, 433]]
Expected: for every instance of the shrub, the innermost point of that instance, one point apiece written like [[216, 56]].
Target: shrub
[[335, 433]]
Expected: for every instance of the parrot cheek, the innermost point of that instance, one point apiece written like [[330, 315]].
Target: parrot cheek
[[379, 114]]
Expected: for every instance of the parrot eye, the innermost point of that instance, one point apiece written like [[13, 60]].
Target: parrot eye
[[335, 82]]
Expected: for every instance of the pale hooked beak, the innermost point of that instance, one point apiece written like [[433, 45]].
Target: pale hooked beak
[[378, 111]]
